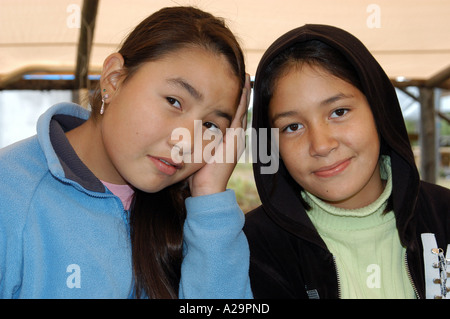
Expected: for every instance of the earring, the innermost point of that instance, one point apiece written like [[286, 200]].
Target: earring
[[102, 108]]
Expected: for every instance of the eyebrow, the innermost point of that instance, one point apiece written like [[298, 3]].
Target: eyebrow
[[189, 88], [325, 102], [224, 115], [335, 98], [283, 114]]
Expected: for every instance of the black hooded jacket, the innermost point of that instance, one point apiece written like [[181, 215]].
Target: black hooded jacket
[[289, 259]]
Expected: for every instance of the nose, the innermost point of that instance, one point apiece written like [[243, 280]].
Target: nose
[[322, 140], [183, 139]]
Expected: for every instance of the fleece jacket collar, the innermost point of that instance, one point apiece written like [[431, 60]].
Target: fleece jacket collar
[[62, 160]]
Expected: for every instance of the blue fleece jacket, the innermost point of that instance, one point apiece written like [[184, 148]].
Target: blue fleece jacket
[[64, 235]]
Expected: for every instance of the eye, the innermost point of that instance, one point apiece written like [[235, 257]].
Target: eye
[[293, 127], [174, 102], [339, 113], [211, 126]]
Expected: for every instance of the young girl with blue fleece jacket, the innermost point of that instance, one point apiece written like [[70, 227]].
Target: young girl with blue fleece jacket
[[94, 206]]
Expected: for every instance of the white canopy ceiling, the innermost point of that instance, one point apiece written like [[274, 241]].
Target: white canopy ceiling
[[410, 38]]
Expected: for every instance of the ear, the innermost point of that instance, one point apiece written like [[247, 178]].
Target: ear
[[112, 73]]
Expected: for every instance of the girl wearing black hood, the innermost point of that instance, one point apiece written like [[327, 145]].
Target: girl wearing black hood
[[346, 215]]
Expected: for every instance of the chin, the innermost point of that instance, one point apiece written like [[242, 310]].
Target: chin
[[154, 188], [335, 198]]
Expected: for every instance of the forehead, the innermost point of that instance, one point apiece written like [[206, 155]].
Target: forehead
[[308, 86], [192, 64], [200, 74]]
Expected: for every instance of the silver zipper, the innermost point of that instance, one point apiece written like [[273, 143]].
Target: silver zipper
[[409, 276], [442, 265], [338, 278]]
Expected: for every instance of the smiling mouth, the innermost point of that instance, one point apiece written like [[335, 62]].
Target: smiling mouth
[[333, 170], [165, 165]]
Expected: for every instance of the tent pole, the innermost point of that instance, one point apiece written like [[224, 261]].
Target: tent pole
[[427, 135], [80, 94]]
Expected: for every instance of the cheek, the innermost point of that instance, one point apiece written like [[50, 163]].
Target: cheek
[[364, 137], [123, 138], [293, 158], [114, 136], [293, 148]]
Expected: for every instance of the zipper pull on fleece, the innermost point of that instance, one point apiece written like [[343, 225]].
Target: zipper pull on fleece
[[435, 268], [442, 265]]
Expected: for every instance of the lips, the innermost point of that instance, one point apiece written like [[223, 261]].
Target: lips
[[165, 165], [333, 170]]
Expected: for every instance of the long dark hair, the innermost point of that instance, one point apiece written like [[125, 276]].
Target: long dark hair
[[374, 83], [313, 53], [157, 219]]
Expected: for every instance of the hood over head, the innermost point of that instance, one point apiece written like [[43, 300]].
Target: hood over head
[[279, 193]]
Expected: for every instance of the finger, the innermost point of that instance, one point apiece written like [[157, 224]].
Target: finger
[[244, 121], [249, 87], [249, 90], [242, 109], [239, 121]]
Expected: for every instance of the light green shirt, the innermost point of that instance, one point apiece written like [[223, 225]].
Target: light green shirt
[[365, 244]]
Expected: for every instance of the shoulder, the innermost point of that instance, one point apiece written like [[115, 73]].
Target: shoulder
[[22, 167], [22, 158], [432, 211], [434, 196], [429, 187]]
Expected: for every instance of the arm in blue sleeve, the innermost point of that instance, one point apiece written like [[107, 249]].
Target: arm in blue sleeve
[[216, 252]]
